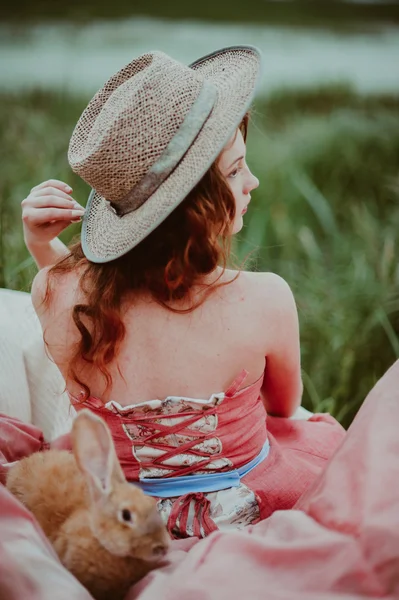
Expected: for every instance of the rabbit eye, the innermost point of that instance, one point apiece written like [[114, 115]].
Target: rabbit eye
[[127, 515]]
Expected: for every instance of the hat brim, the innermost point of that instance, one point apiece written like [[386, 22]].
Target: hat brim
[[235, 72]]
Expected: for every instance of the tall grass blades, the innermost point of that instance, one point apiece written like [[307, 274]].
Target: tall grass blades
[[325, 217]]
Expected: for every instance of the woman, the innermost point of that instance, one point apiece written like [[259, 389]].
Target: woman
[[180, 355]]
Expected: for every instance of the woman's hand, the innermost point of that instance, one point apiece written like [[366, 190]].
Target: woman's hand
[[47, 211]]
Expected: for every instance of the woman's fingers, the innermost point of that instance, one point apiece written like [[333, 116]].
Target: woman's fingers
[[49, 191], [56, 227], [49, 202], [53, 183], [49, 196], [46, 215]]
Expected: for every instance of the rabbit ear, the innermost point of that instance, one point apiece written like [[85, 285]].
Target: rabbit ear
[[95, 453]]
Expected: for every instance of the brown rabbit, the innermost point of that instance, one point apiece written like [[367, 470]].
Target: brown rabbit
[[107, 532]]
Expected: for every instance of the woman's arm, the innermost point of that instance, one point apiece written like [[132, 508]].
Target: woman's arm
[[47, 254], [282, 385], [47, 211]]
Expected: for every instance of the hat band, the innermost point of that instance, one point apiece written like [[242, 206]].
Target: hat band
[[173, 153]]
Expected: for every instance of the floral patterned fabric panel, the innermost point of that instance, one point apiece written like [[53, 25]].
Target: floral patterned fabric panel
[[153, 419]]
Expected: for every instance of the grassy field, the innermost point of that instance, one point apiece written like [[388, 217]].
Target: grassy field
[[326, 218], [298, 13]]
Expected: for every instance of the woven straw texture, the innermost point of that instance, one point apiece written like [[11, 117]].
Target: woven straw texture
[[129, 123]]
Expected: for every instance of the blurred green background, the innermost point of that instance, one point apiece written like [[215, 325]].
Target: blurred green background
[[326, 215], [325, 13]]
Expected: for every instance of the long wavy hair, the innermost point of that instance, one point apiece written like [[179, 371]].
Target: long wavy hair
[[190, 243]]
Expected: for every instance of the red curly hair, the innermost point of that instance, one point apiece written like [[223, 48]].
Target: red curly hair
[[190, 243]]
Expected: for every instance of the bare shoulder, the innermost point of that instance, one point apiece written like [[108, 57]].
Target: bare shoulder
[[264, 301], [271, 315], [53, 294], [268, 289], [53, 297]]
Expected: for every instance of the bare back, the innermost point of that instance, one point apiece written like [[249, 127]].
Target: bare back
[[239, 326]]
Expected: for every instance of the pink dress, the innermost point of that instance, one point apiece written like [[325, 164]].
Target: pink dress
[[219, 463], [340, 541]]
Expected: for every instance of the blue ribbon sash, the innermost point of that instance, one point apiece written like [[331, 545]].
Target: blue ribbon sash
[[169, 487]]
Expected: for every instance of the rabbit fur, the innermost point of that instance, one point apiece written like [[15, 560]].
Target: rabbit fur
[[107, 532]]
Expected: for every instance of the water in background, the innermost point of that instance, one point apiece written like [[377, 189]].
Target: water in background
[[79, 58]]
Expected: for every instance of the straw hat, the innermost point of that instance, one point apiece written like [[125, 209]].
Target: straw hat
[[149, 135]]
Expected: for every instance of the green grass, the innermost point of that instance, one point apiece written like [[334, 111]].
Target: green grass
[[298, 13], [326, 218]]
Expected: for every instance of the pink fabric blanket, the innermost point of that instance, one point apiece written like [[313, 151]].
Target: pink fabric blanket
[[341, 542]]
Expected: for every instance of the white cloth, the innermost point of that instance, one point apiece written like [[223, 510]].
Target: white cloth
[[31, 386]]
